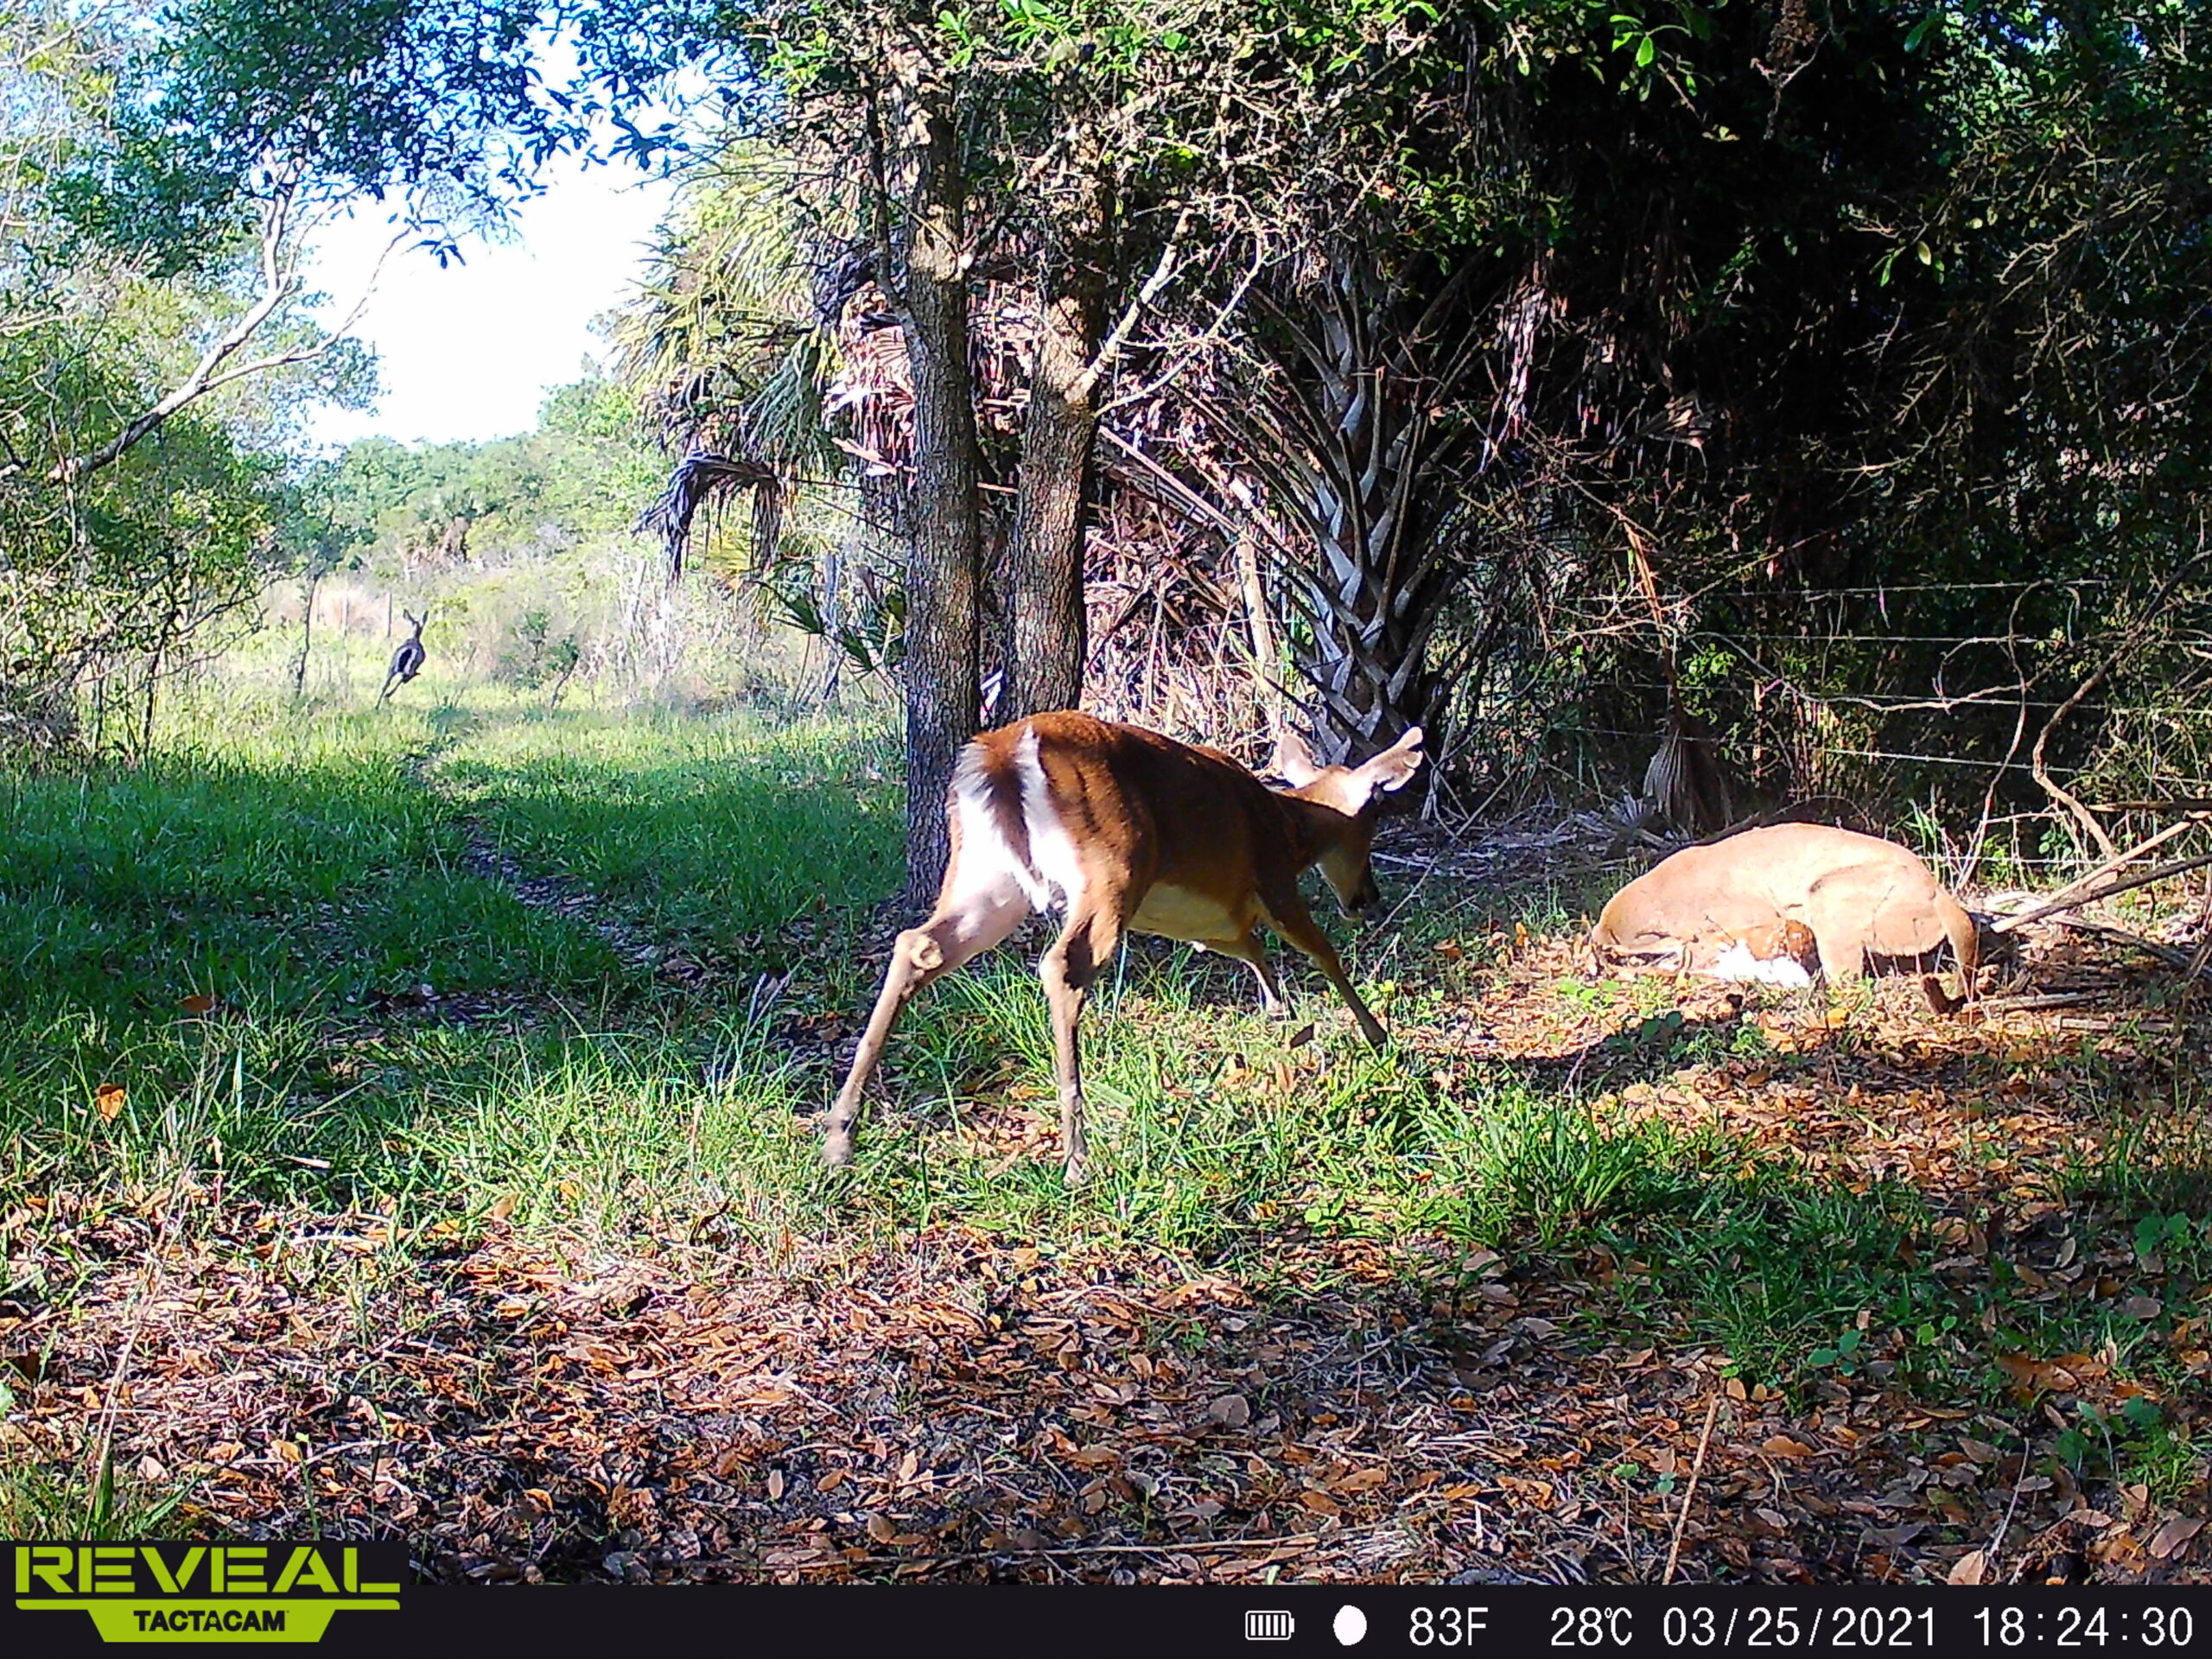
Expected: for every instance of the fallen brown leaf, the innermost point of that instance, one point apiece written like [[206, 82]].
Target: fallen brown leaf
[[2175, 1533]]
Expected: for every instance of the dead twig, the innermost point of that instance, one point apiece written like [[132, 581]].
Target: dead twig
[[2108, 867], [2058, 907], [2186, 803], [2165, 953], [1997, 1544], [1697, 1468]]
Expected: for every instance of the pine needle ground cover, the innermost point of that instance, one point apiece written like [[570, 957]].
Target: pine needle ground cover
[[405, 1130]]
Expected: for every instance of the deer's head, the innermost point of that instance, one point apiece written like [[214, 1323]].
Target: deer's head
[[1353, 797]]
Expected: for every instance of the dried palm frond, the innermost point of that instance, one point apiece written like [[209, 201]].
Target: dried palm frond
[[1684, 782], [696, 477]]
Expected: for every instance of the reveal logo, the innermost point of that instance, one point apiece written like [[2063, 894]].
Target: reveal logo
[[208, 1592]]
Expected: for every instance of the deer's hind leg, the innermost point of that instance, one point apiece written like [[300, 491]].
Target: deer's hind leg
[[969, 918], [1069, 970], [1250, 951]]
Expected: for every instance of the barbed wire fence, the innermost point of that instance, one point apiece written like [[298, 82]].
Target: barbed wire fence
[[2015, 729]]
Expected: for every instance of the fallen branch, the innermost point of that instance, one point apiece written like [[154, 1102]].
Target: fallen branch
[[2055, 906], [2126, 858], [2165, 953]]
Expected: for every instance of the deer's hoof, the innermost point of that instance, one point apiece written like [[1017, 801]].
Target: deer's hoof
[[1077, 1174], [837, 1149]]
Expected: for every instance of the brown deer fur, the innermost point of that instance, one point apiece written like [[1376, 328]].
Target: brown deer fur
[[1123, 830], [1864, 900]]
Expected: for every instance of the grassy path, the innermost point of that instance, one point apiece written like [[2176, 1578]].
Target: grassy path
[[429, 1153]]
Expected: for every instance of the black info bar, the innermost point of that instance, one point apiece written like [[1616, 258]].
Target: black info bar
[[343, 1598]]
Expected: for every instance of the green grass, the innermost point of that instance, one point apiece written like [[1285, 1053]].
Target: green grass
[[311, 870], [100, 1503], [715, 830]]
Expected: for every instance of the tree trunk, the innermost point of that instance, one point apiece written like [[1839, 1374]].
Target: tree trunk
[[307, 636], [944, 534], [1049, 640]]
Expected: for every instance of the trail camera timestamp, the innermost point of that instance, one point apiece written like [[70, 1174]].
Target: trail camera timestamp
[[2111, 1626], [1740, 1622], [1693, 1627]]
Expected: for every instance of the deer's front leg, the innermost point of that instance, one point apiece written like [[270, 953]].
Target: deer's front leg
[[1289, 916]]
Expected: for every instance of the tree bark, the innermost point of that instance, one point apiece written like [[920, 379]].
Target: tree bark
[[306, 632], [944, 532], [1049, 637]]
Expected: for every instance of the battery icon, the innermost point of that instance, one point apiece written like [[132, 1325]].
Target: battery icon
[[1272, 1625]]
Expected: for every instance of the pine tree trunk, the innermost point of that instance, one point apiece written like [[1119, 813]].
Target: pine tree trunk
[[1049, 638], [943, 538]]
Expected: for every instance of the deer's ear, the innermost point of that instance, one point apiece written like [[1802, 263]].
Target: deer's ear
[[1293, 761], [1393, 768]]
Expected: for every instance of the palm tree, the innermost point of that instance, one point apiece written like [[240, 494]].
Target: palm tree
[[1350, 408], [727, 352]]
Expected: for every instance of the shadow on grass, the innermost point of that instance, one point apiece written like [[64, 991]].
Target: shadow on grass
[[272, 955], [724, 833]]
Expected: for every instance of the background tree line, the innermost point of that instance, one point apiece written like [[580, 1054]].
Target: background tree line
[[1768, 385], [583, 471], [149, 384]]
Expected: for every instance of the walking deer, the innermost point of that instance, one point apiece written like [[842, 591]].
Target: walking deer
[[1125, 831], [407, 661]]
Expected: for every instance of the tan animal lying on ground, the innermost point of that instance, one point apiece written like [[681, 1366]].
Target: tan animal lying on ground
[[1777, 903]]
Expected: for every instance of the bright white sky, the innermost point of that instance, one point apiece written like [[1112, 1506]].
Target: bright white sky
[[467, 351]]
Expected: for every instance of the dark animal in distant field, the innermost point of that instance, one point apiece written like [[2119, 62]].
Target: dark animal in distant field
[[407, 661]]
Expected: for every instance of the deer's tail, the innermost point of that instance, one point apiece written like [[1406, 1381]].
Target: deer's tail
[[986, 798], [1002, 800]]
